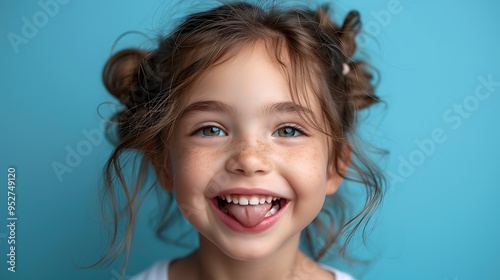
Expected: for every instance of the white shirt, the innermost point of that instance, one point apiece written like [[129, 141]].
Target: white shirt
[[158, 271]]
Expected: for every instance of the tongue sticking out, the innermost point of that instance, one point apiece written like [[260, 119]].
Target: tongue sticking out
[[248, 215]]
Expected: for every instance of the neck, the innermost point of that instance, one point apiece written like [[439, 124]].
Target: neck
[[214, 264]]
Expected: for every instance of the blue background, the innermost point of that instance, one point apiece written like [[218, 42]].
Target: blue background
[[440, 216]]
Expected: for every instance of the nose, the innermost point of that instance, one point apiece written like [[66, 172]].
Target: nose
[[250, 159]]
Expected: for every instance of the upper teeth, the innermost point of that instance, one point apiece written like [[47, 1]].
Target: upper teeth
[[248, 200]]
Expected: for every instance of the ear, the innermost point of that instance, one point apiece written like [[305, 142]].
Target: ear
[[335, 175]]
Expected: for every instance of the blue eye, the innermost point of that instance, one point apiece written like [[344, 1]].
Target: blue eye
[[288, 131], [211, 131]]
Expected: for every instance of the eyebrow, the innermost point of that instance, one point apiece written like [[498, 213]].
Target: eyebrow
[[208, 106], [221, 107], [288, 107]]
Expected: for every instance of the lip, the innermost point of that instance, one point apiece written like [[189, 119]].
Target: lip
[[251, 191], [233, 224]]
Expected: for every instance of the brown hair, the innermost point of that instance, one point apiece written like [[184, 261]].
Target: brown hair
[[152, 85]]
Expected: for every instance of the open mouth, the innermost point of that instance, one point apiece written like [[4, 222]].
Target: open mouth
[[250, 211]]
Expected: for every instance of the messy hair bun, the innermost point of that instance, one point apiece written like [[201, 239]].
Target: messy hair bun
[[122, 78], [120, 74], [359, 78]]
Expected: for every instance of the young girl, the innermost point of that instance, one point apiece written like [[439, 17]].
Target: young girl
[[247, 116]]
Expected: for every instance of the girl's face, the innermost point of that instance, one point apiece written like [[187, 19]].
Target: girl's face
[[241, 138]]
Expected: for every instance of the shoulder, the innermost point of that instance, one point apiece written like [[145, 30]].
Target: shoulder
[[158, 271], [339, 275]]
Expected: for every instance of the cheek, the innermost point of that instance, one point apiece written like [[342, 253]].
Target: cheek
[[188, 185], [185, 170], [306, 172], [188, 162], [308, 163], [194, 172]]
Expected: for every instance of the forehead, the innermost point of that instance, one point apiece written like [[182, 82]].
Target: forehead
[[250, 71], [263, 66]]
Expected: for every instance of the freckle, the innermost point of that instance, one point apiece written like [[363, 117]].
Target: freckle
[[263, 150]]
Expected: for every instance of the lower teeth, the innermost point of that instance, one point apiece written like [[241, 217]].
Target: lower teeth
[[274, 210]]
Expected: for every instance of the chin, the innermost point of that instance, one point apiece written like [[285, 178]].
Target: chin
[[249, 249], [244, 254]]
